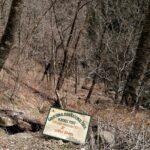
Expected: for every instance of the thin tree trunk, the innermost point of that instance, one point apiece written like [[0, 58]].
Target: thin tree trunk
[[139, 65], [98, 64], [73, 56], [64, 69], [76, 74], [65, 61], [7, 40], [91, 89], [63, 72]]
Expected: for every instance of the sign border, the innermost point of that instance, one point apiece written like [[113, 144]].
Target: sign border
[[68, 111]]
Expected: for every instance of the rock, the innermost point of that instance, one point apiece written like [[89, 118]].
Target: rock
[[108, 137], [20, 136], [6, 121], [85, 147], [2, 132], [60, 142], [42, 108], [24, 125]]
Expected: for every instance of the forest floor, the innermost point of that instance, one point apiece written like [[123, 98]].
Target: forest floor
[[34, 98]]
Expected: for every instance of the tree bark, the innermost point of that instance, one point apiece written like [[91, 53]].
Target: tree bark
[[7, 39], [62, 72], [87, 100], [139, 65], [66, 61]]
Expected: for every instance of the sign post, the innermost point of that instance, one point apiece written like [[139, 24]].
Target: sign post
[[67, 125]]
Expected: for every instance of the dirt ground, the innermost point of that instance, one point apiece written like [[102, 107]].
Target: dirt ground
[[34, 98]]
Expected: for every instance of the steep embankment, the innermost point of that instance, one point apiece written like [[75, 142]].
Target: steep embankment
[[23, 92]]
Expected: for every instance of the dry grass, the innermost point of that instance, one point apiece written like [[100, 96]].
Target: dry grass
[[131, 129], [126, 138]]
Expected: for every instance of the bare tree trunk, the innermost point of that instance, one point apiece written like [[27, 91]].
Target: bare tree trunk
[[64, 69], [139, 65], [98, 64], [7, 40], [91, 89], [76, 74], [73, 56], [65, 61], [63, 72]]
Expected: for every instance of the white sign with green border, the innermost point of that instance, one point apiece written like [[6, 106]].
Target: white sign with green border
[[67, 125]]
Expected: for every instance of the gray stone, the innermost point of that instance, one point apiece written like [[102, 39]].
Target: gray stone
[[108, 137], [7, 121]]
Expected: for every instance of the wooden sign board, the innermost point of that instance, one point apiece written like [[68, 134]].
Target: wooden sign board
[[67, 125]]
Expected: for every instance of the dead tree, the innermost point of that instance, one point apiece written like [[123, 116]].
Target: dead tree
[[47, 71], [91, 88], [98, 64], [65, 60], [7, 39], [139, 65], [64, 68]]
